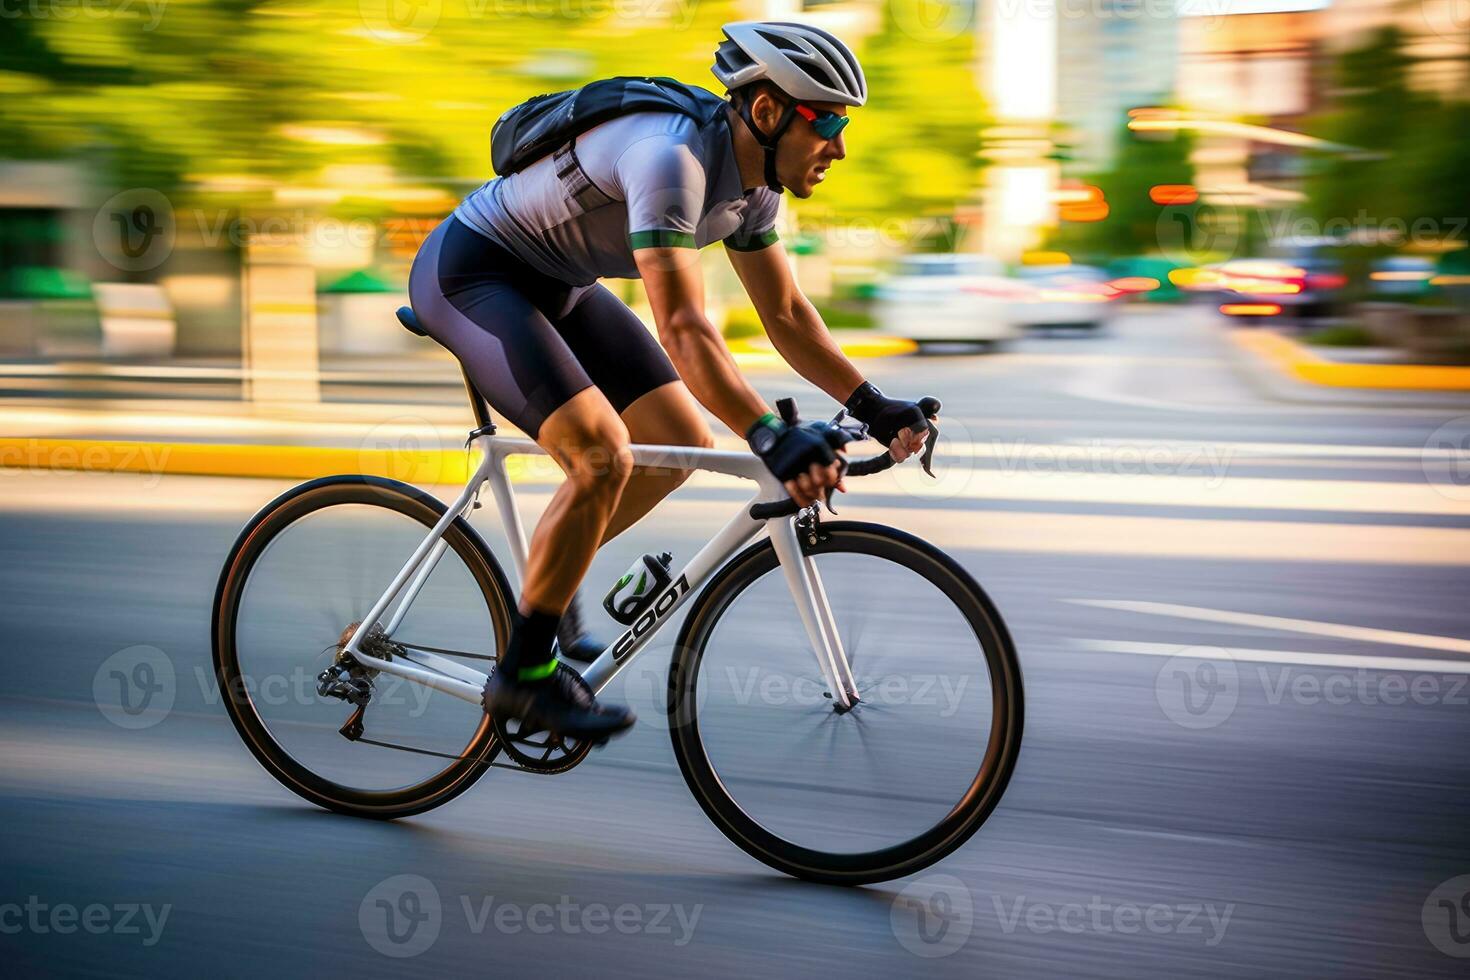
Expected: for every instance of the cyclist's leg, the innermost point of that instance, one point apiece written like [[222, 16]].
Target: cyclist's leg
[[666, 416], [628, 365], [487, 308], [590, 443]]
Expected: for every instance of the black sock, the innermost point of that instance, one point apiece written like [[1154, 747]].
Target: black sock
[[528, 655]]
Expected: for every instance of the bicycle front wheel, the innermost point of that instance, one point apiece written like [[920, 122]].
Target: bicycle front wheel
[[896, 782]]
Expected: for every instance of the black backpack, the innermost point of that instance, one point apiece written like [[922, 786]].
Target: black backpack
[[545, 123]]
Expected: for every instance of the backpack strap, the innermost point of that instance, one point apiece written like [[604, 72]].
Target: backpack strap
[[574, 179]]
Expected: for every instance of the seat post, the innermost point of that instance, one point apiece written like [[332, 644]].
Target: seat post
[[477, 403]]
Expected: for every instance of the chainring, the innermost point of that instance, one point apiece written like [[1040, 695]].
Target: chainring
[[541, 752]]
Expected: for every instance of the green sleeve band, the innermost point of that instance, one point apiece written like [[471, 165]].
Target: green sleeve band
[[768, 421], [660, 238], [754, 243]]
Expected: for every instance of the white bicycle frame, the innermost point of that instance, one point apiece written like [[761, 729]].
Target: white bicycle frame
[[452, 677]]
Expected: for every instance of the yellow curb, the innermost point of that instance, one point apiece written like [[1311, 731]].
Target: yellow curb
[[858, 347], [1297, 361], [274, 462]]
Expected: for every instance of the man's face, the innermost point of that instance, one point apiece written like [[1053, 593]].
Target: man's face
[[802, 156]]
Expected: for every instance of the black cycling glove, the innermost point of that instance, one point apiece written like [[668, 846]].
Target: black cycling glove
[[885, 417], [788, 451]]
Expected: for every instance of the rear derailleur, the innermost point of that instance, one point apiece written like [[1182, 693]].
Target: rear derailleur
[[348, 680]]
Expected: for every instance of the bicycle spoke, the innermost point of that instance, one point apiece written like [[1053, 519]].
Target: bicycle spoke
[[857, 622]]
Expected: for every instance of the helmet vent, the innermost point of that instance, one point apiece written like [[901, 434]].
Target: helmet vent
[[816, 73], [784, 43], [733, 60]]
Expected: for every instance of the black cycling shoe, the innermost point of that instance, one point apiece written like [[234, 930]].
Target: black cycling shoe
[[582, 649], [561, 704], [572, 641]]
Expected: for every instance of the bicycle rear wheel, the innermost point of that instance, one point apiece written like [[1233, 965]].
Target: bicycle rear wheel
[[876, 792], [303, 573]]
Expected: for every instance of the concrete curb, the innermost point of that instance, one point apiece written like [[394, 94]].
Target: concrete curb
[[851, 346], [428, 466], [1297, 362]]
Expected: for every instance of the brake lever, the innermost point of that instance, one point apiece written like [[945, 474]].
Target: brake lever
[[841, 469], [848, 430], [929, 444]]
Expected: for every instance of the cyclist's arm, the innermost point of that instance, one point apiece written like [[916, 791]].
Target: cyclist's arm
[[663, 182], [675, 287], [792, 322]]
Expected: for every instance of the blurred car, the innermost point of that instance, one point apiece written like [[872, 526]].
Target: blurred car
[[1146, 279], [1300, 288], [1401, 276], [950, 297], [1075, 296]]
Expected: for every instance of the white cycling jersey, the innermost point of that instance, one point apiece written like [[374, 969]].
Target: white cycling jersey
[[646, 179]]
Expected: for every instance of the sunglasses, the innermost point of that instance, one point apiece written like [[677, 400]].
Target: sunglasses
[[827, 124]]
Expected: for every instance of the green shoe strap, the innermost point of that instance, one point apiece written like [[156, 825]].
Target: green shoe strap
[[537, 673]]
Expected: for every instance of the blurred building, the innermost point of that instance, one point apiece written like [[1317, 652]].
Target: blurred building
[[1112, 55], [1271, 61], [1060, 76]]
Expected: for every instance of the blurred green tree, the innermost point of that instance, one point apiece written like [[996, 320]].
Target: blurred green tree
[[1143, 160], [914, 151], [1408, 171], [243, 94]]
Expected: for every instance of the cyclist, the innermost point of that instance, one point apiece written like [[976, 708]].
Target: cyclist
[[509, 284]]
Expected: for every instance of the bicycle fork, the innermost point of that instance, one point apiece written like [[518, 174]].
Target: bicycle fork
[[805, 584]]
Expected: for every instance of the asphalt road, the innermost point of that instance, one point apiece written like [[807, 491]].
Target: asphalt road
[[1143, 518]]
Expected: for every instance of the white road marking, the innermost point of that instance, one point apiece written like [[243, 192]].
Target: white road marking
[[1299, 657], [31, 493], [1341, 631], [1079, 481]]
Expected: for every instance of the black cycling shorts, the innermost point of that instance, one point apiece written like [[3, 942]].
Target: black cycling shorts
[[529, 341]]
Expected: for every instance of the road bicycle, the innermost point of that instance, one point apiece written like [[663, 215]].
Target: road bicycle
[[843, 700]]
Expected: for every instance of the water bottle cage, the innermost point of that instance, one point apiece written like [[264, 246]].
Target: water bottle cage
[[626, 608]]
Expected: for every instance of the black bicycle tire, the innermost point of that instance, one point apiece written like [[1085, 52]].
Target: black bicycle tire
[[1007, 692], [279, 514]]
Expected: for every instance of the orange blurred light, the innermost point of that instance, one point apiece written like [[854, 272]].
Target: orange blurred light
[[1266, 287], [1135, 284], [1450, 281], [1402, 276], [1045, 258], [1094, 211], [1250, 309], [1173, 194]]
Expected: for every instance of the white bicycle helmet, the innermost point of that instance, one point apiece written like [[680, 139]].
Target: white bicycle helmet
[[805, 62]]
